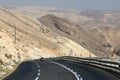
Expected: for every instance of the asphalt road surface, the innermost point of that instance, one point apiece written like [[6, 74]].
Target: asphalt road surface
[[58, 70]]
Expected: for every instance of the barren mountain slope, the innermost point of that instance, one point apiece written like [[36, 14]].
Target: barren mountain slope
[[23, 37], [107, 36], [96, 39]]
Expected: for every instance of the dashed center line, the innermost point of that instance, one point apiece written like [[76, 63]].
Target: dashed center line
[[37, 78], [38, 70], [38, 74]]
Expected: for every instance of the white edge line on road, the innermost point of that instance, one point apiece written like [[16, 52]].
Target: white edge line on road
[[75, 73]]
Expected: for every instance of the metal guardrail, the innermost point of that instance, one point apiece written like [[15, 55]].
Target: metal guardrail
[[111, 67]]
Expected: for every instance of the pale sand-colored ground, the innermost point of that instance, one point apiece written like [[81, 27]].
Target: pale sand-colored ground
[[33, 40]]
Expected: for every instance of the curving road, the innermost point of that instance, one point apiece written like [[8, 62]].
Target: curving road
[[58, 70]]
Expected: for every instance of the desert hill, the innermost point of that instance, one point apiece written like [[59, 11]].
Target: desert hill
[[24, 38], [29, 33], [101, 40]]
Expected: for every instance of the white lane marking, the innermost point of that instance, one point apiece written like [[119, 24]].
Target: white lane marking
[[36, 78], [75, 73], [38, 70], [37, 64], [81, 78], [38, 74], [79, 75]]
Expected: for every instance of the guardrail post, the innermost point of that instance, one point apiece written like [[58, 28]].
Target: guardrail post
[[119, 65], [89, 55], [81, 55]]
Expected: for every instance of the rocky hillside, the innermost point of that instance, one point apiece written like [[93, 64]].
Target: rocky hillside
[[26, 33], [101, 40], [24, 38]]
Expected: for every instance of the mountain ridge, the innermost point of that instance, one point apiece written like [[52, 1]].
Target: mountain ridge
[[24, 38], [97, 39]]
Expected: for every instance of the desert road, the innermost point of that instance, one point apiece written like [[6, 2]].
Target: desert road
[[58, 70]]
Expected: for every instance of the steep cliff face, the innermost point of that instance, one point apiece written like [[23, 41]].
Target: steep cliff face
[[108, 37], [101, 40], [94, 22], [24, 38]]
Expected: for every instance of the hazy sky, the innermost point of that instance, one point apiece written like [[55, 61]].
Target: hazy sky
[[75, 4]]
